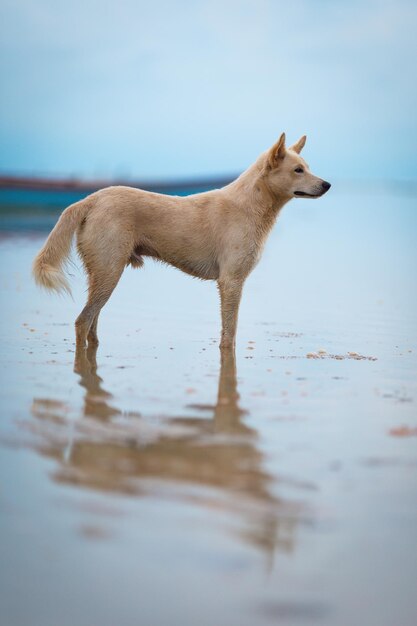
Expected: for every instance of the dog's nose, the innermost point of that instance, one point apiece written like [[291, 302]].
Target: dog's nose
[[326, 186]]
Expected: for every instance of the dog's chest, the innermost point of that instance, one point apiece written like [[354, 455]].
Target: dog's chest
[[241, 250]]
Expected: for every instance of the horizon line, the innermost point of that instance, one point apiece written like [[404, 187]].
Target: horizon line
[[45, 183]]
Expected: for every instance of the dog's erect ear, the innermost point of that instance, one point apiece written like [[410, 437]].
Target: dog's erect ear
[[277, 152], [299, 145]]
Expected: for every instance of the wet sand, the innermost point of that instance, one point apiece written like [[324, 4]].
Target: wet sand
[[160, 485]]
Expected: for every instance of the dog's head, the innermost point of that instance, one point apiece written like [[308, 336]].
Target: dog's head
[[288, 175]]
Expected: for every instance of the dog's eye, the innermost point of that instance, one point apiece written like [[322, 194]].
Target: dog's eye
[[299, 170]]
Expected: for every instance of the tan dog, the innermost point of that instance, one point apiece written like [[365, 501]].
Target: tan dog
[[217, 235]]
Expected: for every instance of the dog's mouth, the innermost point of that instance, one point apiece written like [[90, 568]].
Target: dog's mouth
[[303, 194]]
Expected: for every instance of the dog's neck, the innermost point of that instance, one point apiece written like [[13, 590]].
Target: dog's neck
[[253, 195]]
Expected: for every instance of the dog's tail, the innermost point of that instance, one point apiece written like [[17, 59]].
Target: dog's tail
[[47, 266]]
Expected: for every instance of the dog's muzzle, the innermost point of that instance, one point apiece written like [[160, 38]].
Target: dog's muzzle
[[325, 186]]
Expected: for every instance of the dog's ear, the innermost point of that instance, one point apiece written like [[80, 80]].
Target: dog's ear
[[277, 152], [299, 145]]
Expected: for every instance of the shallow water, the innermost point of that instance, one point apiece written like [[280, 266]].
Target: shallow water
[[159, 485]]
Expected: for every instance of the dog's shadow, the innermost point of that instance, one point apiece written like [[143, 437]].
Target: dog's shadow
[[212, 459]]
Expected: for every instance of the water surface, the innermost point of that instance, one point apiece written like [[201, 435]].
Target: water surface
[[160, 485]]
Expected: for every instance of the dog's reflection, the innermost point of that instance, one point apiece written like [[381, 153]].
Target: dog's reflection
[[97, 401], [212, 460]]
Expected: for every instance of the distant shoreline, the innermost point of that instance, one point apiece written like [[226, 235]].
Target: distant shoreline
[[68, 184]]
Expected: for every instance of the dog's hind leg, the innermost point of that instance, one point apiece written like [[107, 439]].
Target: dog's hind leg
[[102, 284], [105, 253], [92, 336]]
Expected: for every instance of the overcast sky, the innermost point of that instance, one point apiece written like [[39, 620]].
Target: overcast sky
[[187, 88]]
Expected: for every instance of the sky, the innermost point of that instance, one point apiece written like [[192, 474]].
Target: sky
[[182, 89]]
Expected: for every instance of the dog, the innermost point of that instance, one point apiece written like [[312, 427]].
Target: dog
[[217, 235]]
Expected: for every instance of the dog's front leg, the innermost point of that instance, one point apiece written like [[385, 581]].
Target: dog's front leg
[[230, 293]]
